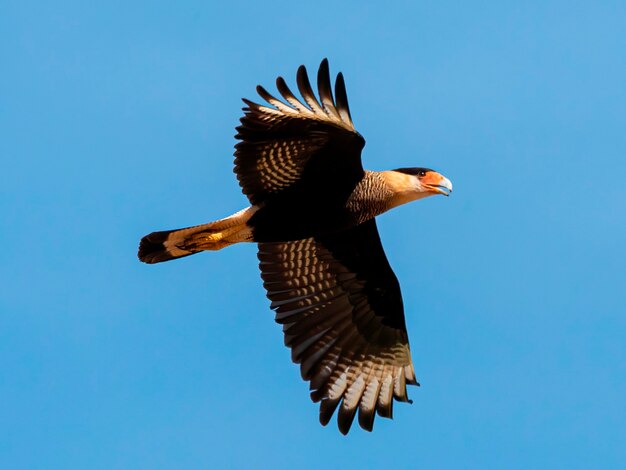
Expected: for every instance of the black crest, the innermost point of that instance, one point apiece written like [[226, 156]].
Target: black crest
[[413, 171]]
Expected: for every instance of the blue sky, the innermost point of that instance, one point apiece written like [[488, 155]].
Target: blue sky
[[117, 119]]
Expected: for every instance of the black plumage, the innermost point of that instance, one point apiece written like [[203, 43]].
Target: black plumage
[[321, 259], [329, 280], [341, 309], [288, 151]]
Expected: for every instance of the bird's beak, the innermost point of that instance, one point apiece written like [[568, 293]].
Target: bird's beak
[[437, 183]]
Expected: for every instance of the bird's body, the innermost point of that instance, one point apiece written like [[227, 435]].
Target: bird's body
[[312, 213], [329, 211]]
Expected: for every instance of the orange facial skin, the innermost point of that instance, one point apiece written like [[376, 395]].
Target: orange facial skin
[[436, 183]]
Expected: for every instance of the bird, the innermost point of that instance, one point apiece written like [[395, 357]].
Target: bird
[[312, 211]]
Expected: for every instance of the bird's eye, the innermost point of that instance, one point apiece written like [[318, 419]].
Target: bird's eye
[[422, 173]]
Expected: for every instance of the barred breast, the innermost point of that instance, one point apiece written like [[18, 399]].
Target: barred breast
[[371, 197]]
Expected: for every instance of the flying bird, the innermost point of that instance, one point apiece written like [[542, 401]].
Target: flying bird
[[312, 213]]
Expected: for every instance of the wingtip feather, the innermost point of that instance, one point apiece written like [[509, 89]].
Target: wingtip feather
[[324, 90], [304, 85], [341, 97]]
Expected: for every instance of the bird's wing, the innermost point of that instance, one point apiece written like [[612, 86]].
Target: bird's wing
[[298, 143], [341, 309]]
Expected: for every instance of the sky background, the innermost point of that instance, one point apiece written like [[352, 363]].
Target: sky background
[[117, 119]]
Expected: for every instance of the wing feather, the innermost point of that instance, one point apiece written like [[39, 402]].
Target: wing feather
[[275, 102], [367, 407], [280, 141], [341, 309], [304, 85], [285, 91], [348, 408], [384, 407], [342, 99], [323, 86]]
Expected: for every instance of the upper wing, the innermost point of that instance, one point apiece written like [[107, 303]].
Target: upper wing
[[296, 143], [341, 309]]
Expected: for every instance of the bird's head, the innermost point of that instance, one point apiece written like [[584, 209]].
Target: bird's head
[[427, 181], [409, 184]]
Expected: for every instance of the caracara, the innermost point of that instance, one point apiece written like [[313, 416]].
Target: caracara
[[312, 212]]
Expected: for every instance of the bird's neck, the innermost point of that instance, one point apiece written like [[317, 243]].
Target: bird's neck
[[380, 191]]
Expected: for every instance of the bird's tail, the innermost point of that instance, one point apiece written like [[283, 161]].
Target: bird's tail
[[171, 244]]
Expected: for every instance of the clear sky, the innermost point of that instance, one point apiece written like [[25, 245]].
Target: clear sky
[[117, 119]]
